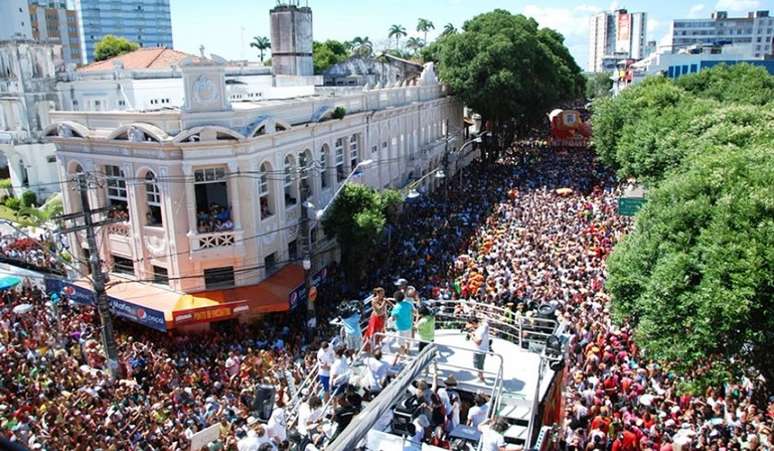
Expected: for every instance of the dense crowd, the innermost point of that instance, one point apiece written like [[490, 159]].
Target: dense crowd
[[33, 252], [533, 229]]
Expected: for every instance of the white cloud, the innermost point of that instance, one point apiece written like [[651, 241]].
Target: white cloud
[[570, 22], [695, 11], [653, 25], [614, 4], [737, 5]]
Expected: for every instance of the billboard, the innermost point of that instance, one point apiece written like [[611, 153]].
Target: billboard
[[207, 314], [623, 31]]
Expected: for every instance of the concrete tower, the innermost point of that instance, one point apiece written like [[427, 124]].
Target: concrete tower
[[291, 39]]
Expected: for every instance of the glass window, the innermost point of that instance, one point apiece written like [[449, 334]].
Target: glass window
[[215, 278], [122, 265], [160, 275], [153, 196], [291, 197], [270, 263], [353, 151], [324, 162], [213, 212], [340, 174], [266, 201], [116, 192], [305, 168]]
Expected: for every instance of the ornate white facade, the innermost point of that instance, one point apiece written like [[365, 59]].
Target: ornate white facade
[[171, 170]]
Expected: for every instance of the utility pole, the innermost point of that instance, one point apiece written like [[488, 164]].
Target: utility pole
[[84, 183]]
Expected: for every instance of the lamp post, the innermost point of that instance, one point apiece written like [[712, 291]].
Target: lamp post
[[307, 221]]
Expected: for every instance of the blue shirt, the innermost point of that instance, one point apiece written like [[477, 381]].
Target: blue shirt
[[403, 314], [352, 325]]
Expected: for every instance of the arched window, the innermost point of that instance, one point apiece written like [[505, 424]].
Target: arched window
[[340, 172], [153, 196], [354, 151], [291, 188], [306, 166], [325, 161], [116, 192], [264, 192]]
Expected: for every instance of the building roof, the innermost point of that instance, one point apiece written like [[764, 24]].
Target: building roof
[[144, 58]]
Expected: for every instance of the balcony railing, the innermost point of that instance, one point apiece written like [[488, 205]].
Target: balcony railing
[[215, 240], [119, 228]]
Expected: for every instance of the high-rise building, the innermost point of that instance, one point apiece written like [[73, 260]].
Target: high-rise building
[[53, 23], [14, 20], [617, 34], [755, 32], [146, 22]]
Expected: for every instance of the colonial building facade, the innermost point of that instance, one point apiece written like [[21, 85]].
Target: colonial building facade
[[212, 192]]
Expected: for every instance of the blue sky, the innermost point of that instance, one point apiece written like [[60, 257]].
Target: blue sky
[[225, 27]]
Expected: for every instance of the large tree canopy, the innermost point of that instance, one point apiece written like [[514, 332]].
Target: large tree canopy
[[111, 46], [326, 54], [694, 276], [508, 69], [740, 83]]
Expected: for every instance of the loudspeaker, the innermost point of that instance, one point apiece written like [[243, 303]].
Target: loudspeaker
[[546, 311], [401, 419], [264, 401]]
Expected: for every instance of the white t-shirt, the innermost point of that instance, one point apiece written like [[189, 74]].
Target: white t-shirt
[[340, 371], [249, 443], [482, 334], [476, 415], [490, 439], [306, 415], [377, 370], [325, 357], [276, 428]]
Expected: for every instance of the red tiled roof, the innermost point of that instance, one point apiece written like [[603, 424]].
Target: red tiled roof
[[145, 58]]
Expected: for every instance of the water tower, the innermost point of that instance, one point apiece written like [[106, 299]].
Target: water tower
[[291, 38]]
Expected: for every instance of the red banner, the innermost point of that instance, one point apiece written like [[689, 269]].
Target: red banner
[[207, 314]]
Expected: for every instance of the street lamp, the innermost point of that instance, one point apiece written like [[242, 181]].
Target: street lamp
[[413, 194]]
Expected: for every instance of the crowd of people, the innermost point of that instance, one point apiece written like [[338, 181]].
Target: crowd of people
[[532, 229], [215, 218], [32, 252]]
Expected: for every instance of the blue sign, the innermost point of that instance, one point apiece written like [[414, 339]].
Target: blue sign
[[127, 310], [298, 295]]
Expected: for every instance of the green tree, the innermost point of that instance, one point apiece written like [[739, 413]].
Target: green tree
[[414, 44], [29, 199], [357, 219], [262, 43], [397, 32], [423, 26], [449, 28], [508, 70], [598, 85], [362, 47], [741, 83], [111, 46], [326, 54], [694, 277]]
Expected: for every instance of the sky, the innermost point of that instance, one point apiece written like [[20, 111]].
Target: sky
[[226, 27]]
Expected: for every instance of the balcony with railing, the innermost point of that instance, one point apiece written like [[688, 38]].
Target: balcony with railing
[[224, 244]]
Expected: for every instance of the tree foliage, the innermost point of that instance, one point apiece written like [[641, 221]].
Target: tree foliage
[[651, 129], [357, 218], [694, 276], [111, 46], [262, 43], [508, 69], [739, 83], [598, 85], [326, 54]]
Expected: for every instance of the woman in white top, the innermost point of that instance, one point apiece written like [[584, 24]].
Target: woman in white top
[[309, 413]]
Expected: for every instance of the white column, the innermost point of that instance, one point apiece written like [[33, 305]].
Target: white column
[[190, 198], [233, 195]]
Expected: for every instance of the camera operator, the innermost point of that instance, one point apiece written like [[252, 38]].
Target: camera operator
[[478, 332], [350, 327]]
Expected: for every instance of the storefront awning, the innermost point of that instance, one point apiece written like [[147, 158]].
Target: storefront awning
[[271, 295]]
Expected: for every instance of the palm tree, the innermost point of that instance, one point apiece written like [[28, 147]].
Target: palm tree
[[425, 25], [397, 32], [415, 44], [262, 43], [448, 29], [362, 46]]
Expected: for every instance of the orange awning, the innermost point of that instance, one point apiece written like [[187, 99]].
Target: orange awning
[[271, 295]]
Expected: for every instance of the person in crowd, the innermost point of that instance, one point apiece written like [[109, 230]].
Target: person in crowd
[[479, 411], [403, 315], [378, 318], [376, 372], [325, 359], [340, 371], [480, 339], [309, 415], [493, 435], [425, 326], [352, 333]]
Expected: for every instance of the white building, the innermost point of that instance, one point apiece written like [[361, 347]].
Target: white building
[[151, 79], [756, 32], [27, 92], [618, 34], [169, 170], [53, 23]]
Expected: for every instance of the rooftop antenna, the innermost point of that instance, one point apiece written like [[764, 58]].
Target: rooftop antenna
[[201, 50]]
